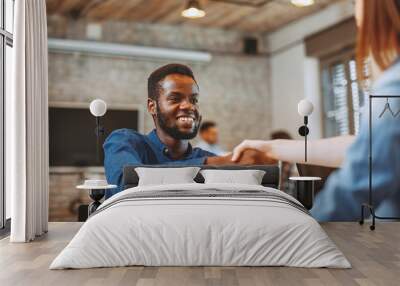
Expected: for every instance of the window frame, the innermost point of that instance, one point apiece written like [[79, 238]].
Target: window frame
[[6, 39], [344, 56]]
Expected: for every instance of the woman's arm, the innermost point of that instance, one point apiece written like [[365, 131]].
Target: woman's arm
[[324, 152]]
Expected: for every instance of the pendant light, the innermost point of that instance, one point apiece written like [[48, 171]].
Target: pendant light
[[302, 3], [193, 10]]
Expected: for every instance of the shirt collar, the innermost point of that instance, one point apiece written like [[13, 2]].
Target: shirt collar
[[153, 137]]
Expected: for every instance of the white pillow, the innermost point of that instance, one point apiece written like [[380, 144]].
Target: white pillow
[[248, 177], [162, 176]]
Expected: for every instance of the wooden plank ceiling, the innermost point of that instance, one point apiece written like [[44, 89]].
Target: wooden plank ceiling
[[269, 16]]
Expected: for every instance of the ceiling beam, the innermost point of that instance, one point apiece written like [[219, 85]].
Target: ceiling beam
[[90, 4], [112, 49], [172, 8], [129, 6]]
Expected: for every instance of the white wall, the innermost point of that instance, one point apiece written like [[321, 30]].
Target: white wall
[[295, 76], [312, 91], [287, 88]]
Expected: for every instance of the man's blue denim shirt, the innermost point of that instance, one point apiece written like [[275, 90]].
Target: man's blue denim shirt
[[347, 189], [127, 147]]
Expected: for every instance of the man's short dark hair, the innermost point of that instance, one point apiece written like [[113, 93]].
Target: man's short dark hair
[[153, 86], [280, 134], [206, 125]]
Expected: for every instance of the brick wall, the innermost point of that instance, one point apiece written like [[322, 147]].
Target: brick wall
[[64, 197]]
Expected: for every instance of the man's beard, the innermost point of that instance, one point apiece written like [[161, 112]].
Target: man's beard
[[174, 131]]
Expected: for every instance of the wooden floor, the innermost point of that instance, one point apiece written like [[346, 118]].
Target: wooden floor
[[375, 257]]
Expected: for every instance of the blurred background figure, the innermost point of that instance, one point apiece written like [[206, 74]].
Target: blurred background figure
[[287, 169], [209, 138]]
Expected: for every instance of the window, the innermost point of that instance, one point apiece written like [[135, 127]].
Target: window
[[342, 96], [6, 44]]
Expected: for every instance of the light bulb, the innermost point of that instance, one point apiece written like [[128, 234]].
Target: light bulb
[[305, 107], [98, 107]]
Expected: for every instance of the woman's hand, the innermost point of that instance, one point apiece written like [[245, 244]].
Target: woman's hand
[[262, 146]]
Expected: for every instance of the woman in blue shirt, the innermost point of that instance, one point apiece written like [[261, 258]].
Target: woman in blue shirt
[[379, 41]]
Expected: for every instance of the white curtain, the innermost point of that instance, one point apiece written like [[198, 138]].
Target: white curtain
[[27, 124]]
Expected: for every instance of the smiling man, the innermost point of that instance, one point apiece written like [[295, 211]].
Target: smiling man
[[173, 95]]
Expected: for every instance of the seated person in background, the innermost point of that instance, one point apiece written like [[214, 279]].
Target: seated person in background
[[209, 138], [173, 96]]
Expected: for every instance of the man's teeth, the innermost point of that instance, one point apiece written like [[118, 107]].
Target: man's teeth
[[186, 119]]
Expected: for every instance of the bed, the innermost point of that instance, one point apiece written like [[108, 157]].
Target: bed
[[198, 224]]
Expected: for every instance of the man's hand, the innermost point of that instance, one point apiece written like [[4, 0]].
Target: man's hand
[[219, 160], [247, 157]]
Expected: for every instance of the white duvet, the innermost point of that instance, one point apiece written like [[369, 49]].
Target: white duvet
[[185, 230]]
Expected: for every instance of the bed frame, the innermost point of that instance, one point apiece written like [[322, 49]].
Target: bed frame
[[130, 178]]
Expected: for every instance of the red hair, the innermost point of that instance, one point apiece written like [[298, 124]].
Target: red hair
[[379, 34]]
